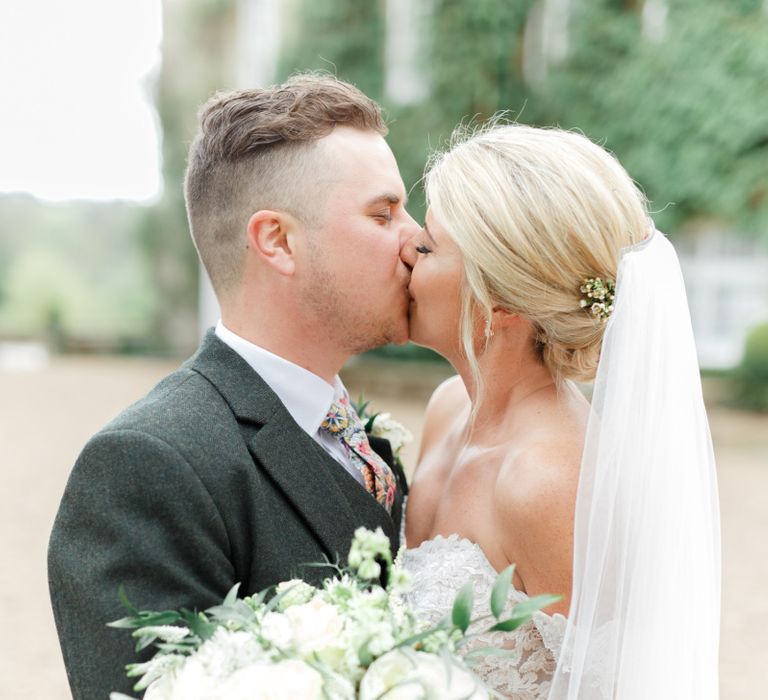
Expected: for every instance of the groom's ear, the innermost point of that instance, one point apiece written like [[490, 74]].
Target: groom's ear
[[270, 237]]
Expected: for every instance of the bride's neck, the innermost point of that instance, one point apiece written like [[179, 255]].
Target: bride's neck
[[511, 376]]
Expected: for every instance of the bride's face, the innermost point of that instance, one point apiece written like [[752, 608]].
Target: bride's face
[[436, 284]]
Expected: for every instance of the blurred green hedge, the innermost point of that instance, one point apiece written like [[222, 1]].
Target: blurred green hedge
[[750, 378]]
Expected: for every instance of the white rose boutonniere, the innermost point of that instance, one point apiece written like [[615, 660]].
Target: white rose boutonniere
[[382, 425]]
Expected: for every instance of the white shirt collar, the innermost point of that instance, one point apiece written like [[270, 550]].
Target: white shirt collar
[[306, 396]]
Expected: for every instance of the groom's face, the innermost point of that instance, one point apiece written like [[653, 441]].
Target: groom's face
[[357, 285]]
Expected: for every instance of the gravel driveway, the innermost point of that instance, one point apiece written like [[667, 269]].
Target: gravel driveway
[[47, 414]]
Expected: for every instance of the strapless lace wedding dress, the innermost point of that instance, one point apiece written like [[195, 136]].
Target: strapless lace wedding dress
[[439, 567]]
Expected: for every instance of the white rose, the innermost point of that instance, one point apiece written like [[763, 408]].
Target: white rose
[[192, 682], [294, 592], [384, 426], [419, 676], [284, 680], [277, 630], [316, 625]]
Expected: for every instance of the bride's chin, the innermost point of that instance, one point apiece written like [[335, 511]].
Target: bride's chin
[[417, 338]]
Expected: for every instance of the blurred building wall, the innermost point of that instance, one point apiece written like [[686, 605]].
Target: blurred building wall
[[726, 277], [259, 25]]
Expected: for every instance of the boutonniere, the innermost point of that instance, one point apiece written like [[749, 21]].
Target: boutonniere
[[382, 425]]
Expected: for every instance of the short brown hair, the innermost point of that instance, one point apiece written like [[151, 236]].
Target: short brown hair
[[254, 151]]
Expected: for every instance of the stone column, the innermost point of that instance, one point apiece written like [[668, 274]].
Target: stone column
[[654, 20], [406, 79], [545, 41]]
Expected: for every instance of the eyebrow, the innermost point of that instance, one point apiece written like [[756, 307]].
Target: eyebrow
[[386, 197], [429, 235]]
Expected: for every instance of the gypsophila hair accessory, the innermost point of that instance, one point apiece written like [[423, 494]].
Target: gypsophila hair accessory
[[599, 296]]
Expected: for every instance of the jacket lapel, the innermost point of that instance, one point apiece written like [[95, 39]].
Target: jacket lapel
[[330, 501]]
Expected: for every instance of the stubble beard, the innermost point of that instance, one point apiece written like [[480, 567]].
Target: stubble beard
[[343, 323]]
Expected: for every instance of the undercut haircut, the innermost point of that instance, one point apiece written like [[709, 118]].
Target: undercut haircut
[[258, 149]]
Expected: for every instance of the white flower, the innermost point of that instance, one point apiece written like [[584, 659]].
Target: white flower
[[284, 680], [416, 675], [366, 547], [294, 592], [276, 629], [316, 625], [192, 681], [214, 661], [369, 570], [384, 426], [157, 667]]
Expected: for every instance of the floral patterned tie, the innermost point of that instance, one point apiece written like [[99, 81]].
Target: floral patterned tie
[[342, 422]]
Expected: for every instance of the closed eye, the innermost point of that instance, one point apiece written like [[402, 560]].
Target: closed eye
[[422, 249]]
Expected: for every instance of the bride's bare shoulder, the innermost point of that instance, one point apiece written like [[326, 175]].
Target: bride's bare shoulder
[[534, 503], [448, 401]]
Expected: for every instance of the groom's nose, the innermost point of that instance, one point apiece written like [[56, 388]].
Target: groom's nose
[[408, 252], [409, 229]]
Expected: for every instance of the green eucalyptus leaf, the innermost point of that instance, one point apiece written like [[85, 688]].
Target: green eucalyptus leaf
[[538, 602], [501, 591], [167, 617], [416, 638], [232, 595], [364, 655], [123, 596], [126, 623], [522, 612], [145, 641], [462, 607], [239, 612], [200, 625], [510, 624]]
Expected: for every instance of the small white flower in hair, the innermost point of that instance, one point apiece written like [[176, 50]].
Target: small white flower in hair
[[603, 292]]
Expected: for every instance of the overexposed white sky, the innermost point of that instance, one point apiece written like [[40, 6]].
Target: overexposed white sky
[[76, 120]]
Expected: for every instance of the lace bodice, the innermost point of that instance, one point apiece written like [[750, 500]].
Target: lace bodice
[[439, 567]]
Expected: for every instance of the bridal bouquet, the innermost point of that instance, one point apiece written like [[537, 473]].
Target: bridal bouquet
[[349, 639]]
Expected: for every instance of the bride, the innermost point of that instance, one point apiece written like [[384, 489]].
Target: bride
[[538, 267]]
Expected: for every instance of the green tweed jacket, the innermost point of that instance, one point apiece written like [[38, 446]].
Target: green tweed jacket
[[205, 482]]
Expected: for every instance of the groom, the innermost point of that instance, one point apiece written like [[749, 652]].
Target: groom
[[230, 470]]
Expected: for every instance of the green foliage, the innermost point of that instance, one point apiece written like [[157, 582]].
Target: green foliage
[[461, 613], [343, 37], [500, 591], [72, 273], [750, 378], [686, 116], [473, 60], [472, 57]]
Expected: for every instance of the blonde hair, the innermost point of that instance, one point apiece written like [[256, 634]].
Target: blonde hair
[[256, 149], [534, 212]]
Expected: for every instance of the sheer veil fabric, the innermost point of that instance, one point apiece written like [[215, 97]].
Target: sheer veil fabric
[[644, 620]]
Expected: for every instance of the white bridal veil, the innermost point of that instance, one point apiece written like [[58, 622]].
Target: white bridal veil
[[645, 614]]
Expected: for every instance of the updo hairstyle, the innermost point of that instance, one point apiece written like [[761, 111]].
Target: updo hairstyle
[[535, 212]]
